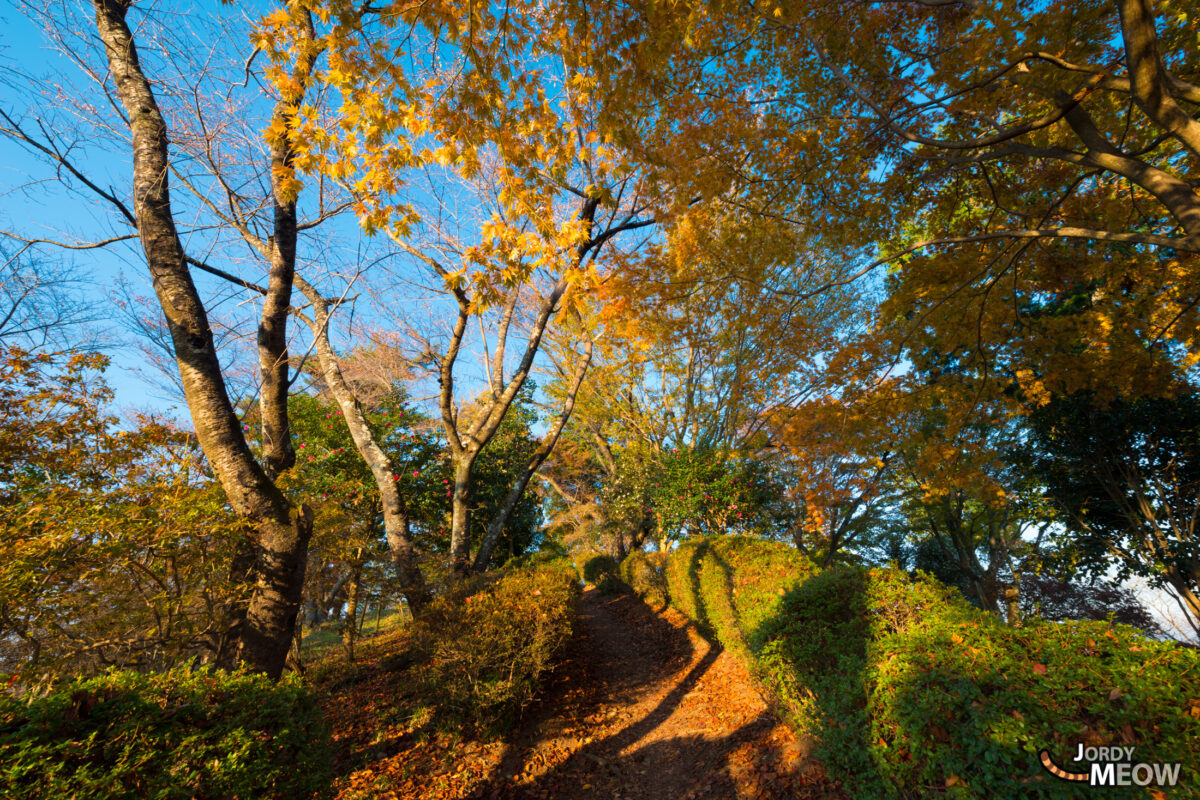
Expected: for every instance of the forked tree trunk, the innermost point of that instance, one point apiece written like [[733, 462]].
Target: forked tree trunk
[[396, 524], [279, 533], [517, 490], [460, 514]]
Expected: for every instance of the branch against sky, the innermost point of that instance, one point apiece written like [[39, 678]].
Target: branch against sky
[[44, 305], [493, 106], [977, 155]]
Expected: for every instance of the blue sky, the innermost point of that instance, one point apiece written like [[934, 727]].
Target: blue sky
[[34, 205], [31, 204]]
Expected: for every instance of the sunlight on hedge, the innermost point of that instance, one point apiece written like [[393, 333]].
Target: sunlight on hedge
[[913, 692], [485, 646]]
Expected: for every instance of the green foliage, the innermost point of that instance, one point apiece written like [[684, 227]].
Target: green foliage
[[495, 472], [730, 585], [549, 554], [691, 491], [177, 734], [329, 467], [482, 648], [1126, 475], [493, 475], [643, 572], [963, 694], [913, 692], [602, 572]]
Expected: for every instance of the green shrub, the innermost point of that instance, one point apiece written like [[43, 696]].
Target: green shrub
[[682, 573], [602, 572], [913, 692], [643, 572], [730, 585], [954, 692], [813, 657], [177, 734], [482, 649]]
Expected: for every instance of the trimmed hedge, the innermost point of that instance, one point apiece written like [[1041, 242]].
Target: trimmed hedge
[[730, 586], [176, 734], [643, 572], [481, 650], [913, 692], [601, 571]]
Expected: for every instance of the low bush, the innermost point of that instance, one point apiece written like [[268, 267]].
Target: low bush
[[913, 692], [602, 572], [482, 649], [176, 734], [643, 572]]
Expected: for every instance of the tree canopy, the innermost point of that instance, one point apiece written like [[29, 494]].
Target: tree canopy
[[441, 285]]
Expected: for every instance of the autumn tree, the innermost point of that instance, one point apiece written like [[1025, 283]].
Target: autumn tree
[[1092, 104], [1027, 172], [698, 355], [117, 542], [194, 137], [501, 527], [835, 457], [492, 102]]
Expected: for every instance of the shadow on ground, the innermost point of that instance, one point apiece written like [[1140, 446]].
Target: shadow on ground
[[644, 707]]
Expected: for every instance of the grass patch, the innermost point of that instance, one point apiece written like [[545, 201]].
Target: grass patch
[[323, 640]]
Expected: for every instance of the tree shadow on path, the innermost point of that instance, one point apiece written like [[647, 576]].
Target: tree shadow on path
[[645, 707]]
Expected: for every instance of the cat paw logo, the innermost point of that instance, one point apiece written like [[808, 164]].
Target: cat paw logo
[[1112, 766]]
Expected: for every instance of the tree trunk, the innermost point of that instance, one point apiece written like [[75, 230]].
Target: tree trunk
[[1012, 602], [280, 534], [460, 517], [398, 532], [331, 602], [1184, 583], [496, 526], [350, 620], [1148, 81], [395, 520], [273, 358], [619, 552], [535, 463], [271, 617]]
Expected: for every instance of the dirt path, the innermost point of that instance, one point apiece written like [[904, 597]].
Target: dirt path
[[643, 708]]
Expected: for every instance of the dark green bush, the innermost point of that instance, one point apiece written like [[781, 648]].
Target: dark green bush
[[482, 649], [813, 657], [913, 692], [177, 734], [643, 572], [602, 572]]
